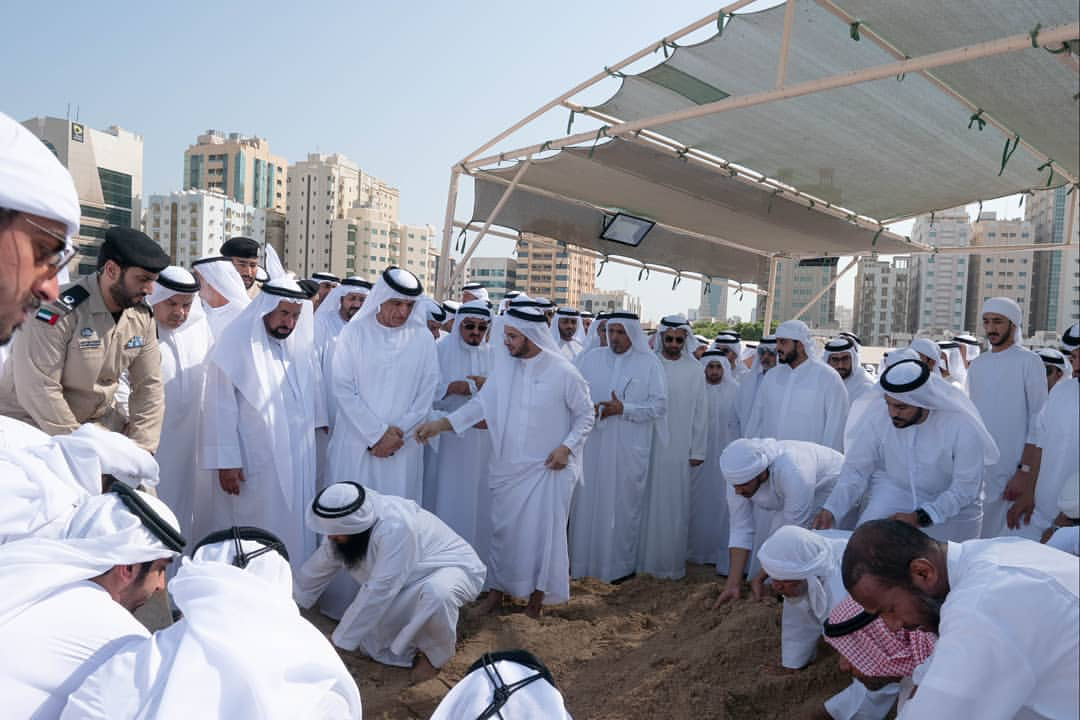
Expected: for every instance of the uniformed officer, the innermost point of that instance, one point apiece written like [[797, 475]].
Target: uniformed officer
[[244, 254], [64, 369]]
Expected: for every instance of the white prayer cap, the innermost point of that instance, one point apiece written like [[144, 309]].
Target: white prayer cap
[[746, 458], [477, 290], [473, 307], [510, 684], [702, 340], [929, 349], [173, 280], [1070, 339], [343, 508], [331, 304], [1052, 358], [797, 330], [432, 310], [840, 345], [32, 179], [394, 283], [794, 553], [452, 306], [579, 327], [1008, 308], [850, 336]]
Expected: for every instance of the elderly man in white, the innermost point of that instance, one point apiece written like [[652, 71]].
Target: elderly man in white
[[413, 572], [241, 649], [68, 602]]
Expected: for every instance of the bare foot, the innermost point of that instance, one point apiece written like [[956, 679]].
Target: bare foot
[[536, 604], [422, 670], [491, 603]]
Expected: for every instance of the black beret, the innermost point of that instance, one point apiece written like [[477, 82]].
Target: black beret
[[131, 248], [242, 247], [311, 287]]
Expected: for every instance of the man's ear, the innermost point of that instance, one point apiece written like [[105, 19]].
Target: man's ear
[[923, 574]]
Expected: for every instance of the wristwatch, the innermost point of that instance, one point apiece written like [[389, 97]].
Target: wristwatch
[[923, 518]]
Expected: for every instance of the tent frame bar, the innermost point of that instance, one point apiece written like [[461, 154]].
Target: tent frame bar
[[770, 299], [827, 288]]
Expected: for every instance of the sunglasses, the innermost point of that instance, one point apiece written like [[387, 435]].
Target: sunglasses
[[482, 327], [676, 340], [58, 257]]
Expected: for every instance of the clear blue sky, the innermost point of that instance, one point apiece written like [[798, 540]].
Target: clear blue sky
[[405, 89]]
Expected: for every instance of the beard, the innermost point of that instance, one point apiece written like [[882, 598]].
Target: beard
[[929, 611], [353, 550], [122, 297]]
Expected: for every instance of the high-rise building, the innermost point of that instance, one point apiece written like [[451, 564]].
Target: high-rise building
[[714, 299], [190, 224], [795, 284], [999, 274], [881, 300], [106, 166], [546, 268], [939, 288], [1055, 283], [324, 189], [497, 274], [240, 167], [599, 301], [363, 244]]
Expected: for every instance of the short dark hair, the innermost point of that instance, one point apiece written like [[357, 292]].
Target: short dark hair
[[884, 549], [104, 255], [7, 217]]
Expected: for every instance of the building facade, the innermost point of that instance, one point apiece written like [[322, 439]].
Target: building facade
[[599, 301], [1055, 284], [939, 287], [794, 285], [241, 168], [191, 224], [880, 314], [999, 274], [106, 166], [497, 274], [546, 268], [714, 301], [363, 244]]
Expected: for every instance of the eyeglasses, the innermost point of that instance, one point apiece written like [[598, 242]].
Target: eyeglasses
[[473, 326], [60, 256], [674, 340]]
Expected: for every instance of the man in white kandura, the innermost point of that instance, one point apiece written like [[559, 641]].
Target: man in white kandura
[[67, 603], [804, 567], [184, 340], [385, 375], [918, 454], [262, 403], [221, 290], [1006, 612], [749, 385], [1008, 387], [413, 572], [568, 332], [241, 650], [537, 408], [771, 483], [842, 355], [507, 684], [802, 398], [336, 310], [460, 495], [708, 491], [628, 389]]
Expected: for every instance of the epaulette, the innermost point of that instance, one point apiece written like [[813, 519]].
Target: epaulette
[[70, 299]]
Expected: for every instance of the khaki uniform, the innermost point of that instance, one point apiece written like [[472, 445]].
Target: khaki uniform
[[65, 374]]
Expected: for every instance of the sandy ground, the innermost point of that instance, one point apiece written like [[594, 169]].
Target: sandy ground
[[646, 648]]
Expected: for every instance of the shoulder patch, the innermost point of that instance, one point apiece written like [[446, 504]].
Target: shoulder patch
[[47, 316], [71, 298]]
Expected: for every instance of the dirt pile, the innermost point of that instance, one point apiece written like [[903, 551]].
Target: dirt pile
[[644, 649]]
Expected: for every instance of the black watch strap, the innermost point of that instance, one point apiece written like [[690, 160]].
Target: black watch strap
[[923, 518]]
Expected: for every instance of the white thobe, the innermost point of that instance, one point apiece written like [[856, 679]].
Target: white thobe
[[394, 389], [800, 479], [856, 384], [936, 465], [570, 349], [1009, 636], [1059, 437], [53, 645], [530, 504], [747, 397], [221, 317], [665, 531], [1009, 390], [235, 434], [327, 329], [415, 576], [608, 505], [807, 403], [459, 490], [184, 487], [708, 488]]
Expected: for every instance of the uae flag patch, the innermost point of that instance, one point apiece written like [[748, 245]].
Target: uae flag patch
[[47, 315]]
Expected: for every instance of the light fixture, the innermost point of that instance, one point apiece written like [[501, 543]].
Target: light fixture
[[626, 229]]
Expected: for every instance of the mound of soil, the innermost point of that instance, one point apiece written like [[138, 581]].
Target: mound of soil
[[646, 649]]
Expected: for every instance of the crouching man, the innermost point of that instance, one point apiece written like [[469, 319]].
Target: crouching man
[[414, 574]]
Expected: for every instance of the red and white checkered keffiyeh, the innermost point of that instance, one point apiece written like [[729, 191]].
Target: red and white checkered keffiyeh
[[877, 651]]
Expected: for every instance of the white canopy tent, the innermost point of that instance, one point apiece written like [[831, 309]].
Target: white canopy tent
[[798, 132]]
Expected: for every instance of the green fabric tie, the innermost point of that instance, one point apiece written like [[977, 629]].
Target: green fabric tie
[[973, 120], [1048, 165], [644, 269], [1007, 152], [602, 132], [854, 30]]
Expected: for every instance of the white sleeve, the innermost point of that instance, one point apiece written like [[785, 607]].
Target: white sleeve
[[579, 405], [797, 484], [468, 414], [315, 574], [655, 405], [1036, 394], [425, 396], [967, 477], [740, 520], [836, 410]]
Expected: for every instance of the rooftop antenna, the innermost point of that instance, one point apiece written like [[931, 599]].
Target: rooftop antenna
[[68, 115]]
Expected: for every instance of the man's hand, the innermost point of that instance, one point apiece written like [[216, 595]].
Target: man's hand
[[478, 379], [908, 518], [482, 425], [731, 591], [824, 520], [558, 458], [611, 407], [757, 585], [1021, 510], [391, 441], [1047, 534], [429, 430], [230, 480], [694, 462], [1020, 484], [458, 387]]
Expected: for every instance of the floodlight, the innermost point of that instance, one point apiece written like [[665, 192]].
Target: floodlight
[[626, 229]]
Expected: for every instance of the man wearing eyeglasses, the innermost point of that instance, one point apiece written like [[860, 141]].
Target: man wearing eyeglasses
[[65, 369]]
